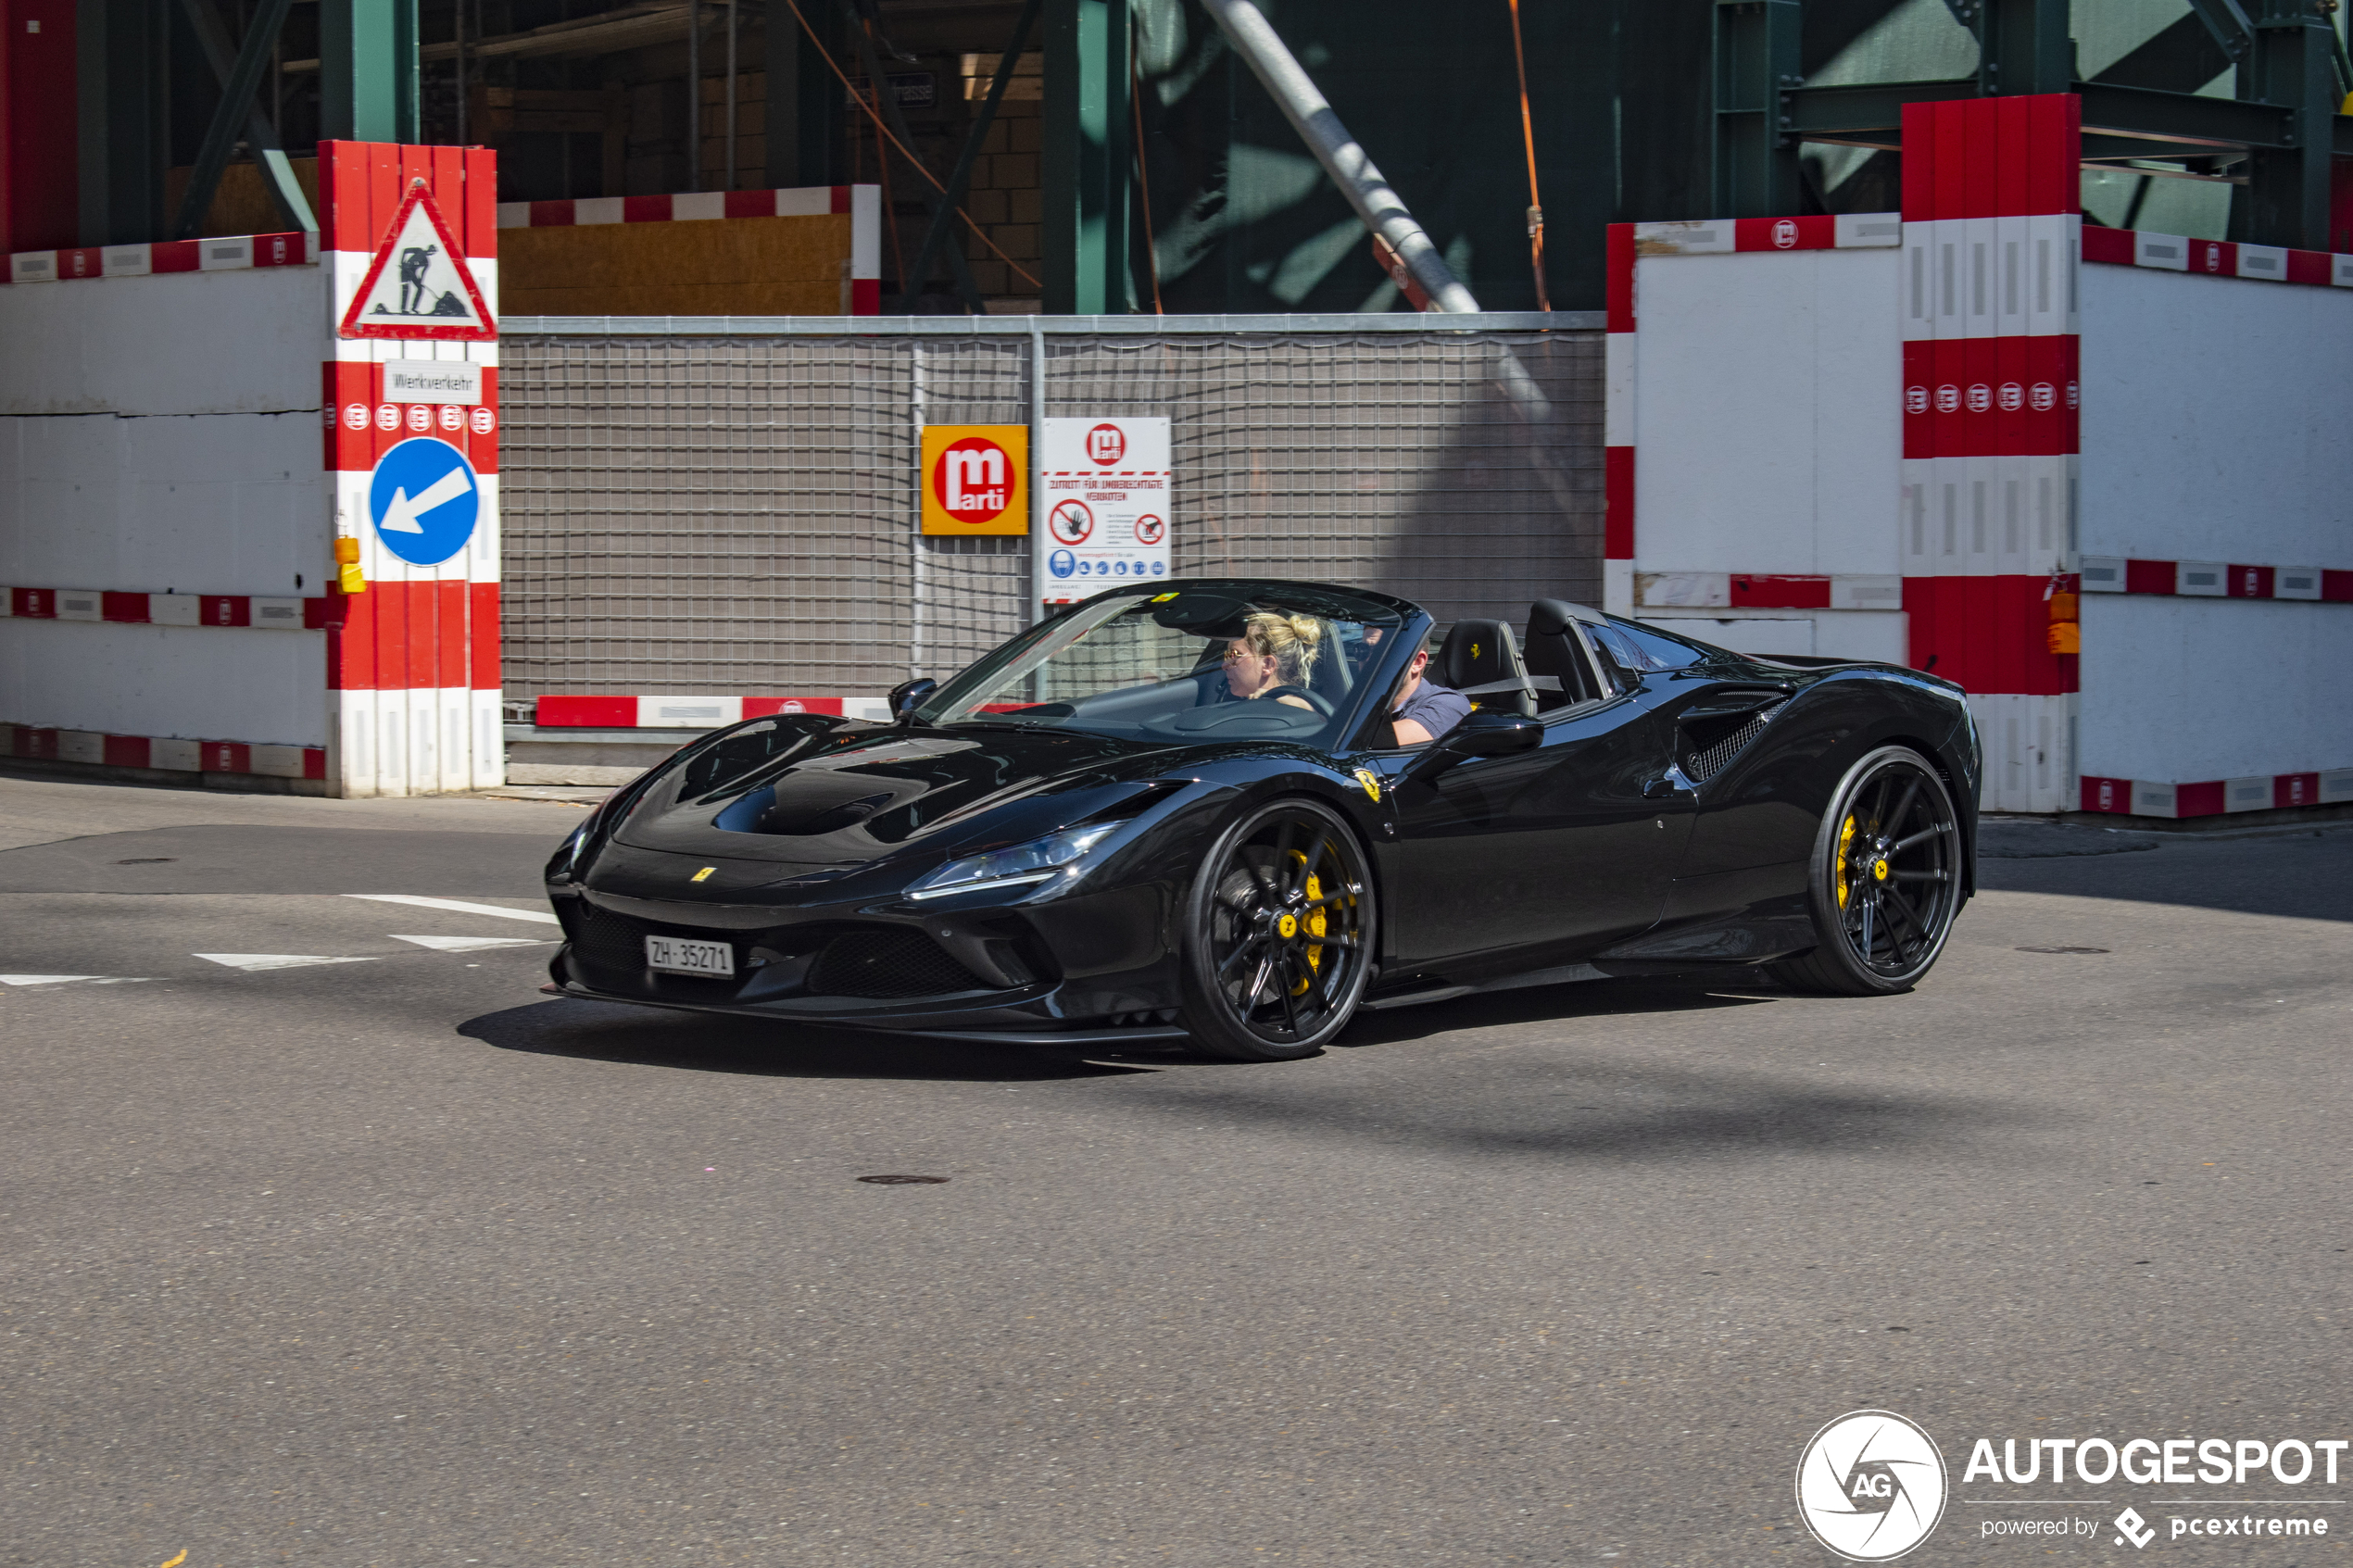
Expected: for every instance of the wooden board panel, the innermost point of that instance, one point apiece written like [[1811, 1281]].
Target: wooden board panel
[[735, 267]]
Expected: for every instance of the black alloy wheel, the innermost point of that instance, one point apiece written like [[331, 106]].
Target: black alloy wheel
[[1886, 879], [1278, 935]]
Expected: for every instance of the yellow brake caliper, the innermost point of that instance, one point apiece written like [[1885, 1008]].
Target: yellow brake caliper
[[1846, 838], [1316, 922]]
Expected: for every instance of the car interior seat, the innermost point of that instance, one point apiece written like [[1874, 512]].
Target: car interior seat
[[1554, 650], [1330, 677], [1480, 660]]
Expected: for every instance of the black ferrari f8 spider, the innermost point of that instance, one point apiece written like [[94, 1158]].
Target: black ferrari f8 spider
[[1102, 834]]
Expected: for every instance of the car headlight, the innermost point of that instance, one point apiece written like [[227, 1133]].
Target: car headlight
[[1038, 860]]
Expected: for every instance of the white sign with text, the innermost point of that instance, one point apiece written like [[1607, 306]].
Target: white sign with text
[[1104, 493]]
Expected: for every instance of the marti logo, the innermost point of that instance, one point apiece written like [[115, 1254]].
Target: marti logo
[[974, 480], [1106, 443], [1871, 1486]]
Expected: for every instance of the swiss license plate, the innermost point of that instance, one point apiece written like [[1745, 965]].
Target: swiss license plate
[[682, 955]]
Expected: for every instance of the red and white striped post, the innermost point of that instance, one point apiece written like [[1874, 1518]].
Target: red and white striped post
[[1991, 241], [412, 670]]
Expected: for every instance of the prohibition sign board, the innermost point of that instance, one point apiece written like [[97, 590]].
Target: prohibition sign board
[[1103, 492]]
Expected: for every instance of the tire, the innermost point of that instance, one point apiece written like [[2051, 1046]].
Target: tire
[[1280, 927], [1891, 830]]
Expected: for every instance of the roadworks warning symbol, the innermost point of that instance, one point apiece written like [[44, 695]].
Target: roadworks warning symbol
[[418, 284]]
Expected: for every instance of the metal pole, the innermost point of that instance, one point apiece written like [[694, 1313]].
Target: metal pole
[[942, 221], [730, 94], [461, 71], [1294, 91], [1039, 538], [694, 95]]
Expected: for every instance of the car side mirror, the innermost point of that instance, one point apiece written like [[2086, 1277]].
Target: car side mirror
[[908, 696], [1482, 734]]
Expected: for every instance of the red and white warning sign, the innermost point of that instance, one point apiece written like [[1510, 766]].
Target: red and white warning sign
[[1106, 498], [418, 286]]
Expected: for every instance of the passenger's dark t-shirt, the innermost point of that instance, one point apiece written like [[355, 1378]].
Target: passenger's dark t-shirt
[[1435, 707]]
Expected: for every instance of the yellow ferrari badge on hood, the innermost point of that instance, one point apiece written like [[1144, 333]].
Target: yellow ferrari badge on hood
[[702, 873], [1371, 780]]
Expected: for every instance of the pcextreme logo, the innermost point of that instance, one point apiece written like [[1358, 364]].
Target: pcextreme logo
[[1871, 1486]]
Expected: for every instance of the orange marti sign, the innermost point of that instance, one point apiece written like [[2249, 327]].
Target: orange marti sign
[[976, 478]]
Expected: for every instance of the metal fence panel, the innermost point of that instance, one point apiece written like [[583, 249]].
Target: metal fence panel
[[727, 510]]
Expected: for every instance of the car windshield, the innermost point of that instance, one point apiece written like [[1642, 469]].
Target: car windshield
[[1189, 662]]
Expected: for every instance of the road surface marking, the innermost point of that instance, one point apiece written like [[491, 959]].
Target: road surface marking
[[474, 944], [459, 905], [271, 961]]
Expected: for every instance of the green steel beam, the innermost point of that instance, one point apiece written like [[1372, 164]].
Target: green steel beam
[[934, 202], [2220, 123], [367, 70], [230, 117], [940, 232], [121, 49], [819, 105], [1757, 71], [1873, 112], [1090, 160], [2026, 47], [261, 137], [2293, 65]]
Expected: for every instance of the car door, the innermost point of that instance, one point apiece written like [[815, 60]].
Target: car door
[[1549, 854]]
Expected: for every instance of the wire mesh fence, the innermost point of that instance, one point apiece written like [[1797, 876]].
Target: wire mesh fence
[[718, 507]]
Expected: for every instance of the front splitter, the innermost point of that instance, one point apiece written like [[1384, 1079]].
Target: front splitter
[[1104, 1036]]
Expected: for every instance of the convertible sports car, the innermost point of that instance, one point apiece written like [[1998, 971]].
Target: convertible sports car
[[1180, 809]]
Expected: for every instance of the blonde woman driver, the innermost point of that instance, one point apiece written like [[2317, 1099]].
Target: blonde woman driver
[[1272, 658]]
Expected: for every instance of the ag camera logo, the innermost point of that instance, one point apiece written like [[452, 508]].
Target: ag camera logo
[[1871, 1486]]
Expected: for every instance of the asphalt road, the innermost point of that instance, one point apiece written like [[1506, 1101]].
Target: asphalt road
[[391, 1260]]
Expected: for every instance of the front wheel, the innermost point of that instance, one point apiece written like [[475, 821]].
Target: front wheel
[[1886, 879], [1278, 935]]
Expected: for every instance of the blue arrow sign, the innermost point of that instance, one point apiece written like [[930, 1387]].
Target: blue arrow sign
[[424, 500]]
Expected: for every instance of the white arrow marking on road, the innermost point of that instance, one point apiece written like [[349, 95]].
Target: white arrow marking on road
[[402, 515], [459, 905], [271, 961], [473, 943]]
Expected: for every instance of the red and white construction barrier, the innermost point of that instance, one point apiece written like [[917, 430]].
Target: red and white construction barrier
[[163, 753], [2040, 458], [414, 671], [302, 458], [689, 712], [2215, 580], [170, 609], [861, 295], [2219, 258], [227, 254], [2213, 797]]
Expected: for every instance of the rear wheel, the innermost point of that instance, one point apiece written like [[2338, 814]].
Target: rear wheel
[[1886, 879], [1278, 932]]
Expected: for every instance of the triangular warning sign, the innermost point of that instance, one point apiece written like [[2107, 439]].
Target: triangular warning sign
[[419, 286]]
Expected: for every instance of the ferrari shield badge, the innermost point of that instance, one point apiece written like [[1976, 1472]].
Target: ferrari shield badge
[[702, 873], [1371, 780]]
